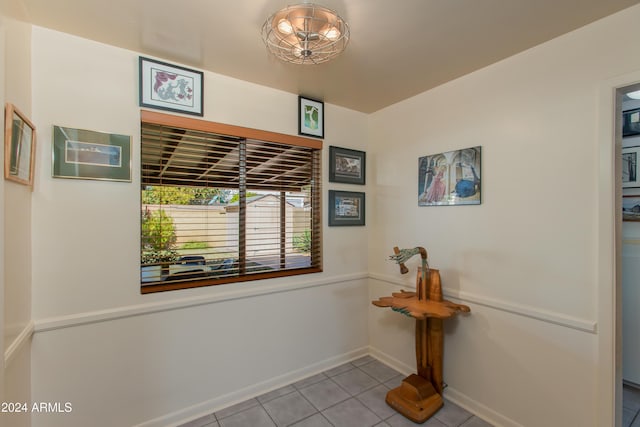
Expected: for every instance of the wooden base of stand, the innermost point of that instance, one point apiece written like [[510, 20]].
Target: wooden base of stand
[[416, 399], [419, 396]]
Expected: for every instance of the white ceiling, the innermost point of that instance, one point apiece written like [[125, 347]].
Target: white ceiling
[[398, 48]]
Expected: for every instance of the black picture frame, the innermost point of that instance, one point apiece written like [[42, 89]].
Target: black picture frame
[[631, 122], [310, 117], [170, 87], [346, 208], [630, 157], [631, 208], [347, 166]]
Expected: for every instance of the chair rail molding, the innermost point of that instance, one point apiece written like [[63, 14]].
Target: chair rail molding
[[560, 319]]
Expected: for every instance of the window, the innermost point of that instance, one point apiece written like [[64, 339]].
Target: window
[[224, 204]]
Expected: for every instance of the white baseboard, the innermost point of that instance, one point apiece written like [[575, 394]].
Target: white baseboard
[[478, 409], [213, 405], [481, 411], [207, 407], [392, 362]]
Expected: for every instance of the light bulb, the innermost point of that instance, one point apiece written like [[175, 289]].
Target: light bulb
[[285, 27], [332, 33]]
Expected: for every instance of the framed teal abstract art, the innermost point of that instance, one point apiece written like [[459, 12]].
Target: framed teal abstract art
[[310, 117]]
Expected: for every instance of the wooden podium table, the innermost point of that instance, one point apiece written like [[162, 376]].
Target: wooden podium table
[[419, 395]]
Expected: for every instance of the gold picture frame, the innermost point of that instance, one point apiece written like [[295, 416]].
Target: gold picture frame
[[19, 146]]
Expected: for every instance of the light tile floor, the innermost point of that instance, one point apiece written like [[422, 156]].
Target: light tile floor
[[630, 406], [350, 395]]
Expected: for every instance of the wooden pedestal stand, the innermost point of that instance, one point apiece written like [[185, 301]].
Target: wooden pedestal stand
[[419, 396]]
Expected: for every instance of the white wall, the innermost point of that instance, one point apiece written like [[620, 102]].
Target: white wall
[[526, 259], [2, 204], [122, 358], [15, 220]]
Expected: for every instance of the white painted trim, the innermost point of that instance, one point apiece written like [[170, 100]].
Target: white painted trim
[[23, 337], [478, 409], [392, 362], [560, 319], [494, 418], [213, 405], [205, 408], [609, 250], [78, 319]]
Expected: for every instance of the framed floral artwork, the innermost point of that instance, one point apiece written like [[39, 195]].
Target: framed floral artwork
[[170, 87]]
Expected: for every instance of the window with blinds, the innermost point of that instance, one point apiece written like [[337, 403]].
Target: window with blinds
[[222, 204]]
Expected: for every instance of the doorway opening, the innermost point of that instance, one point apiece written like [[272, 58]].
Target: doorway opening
[[628, 258]]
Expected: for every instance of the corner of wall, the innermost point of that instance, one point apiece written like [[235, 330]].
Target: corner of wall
[[15, 281]]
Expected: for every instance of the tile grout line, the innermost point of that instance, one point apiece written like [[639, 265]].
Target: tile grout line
[[267, 412], [298, 390], [379, 383], [350, 396], [346, 368]]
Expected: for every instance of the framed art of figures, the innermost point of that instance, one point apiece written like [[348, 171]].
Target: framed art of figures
[[347, 166], [630, 167], [19, 146], [86, 154], [310, 117], [450, 178], [170, 87], [346, 208]]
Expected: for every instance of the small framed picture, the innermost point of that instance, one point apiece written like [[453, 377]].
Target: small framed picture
[[19, 146], [86, 154], [170, 87], [310, 117], [347, 166], [631, 122], [630, 167], [631, 208], [346, 208]]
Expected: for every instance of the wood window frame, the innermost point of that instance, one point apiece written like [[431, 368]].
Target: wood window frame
[[180, 122]]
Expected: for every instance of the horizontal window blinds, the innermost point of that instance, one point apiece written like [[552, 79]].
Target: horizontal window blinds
[[220, 208]]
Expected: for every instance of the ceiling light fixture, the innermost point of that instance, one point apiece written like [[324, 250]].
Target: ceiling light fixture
[[634, 94], [305, 34]]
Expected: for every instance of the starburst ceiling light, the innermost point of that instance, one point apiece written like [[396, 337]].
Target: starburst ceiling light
[[305, 34]]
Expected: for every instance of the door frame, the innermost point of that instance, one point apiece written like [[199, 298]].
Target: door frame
[[609, 244]]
